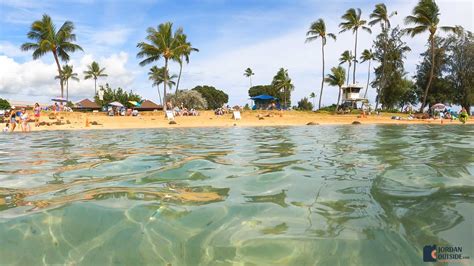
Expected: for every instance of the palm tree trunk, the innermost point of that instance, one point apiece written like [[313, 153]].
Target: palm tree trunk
[[95, 86], [431, 75], [322, 81], [348, 71], [67, 90], [164, 83], [368, 79], [179, 77], [59, 72], [355, 60], [338, 99], [159, 95], [250, 77]]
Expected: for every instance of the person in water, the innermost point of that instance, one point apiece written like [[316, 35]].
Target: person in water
[[7, 127], [463, 116]]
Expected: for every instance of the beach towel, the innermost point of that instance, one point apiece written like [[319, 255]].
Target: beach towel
[[170, 115], [237, 115]]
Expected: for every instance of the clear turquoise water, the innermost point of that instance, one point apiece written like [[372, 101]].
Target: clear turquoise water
[[334, 195]]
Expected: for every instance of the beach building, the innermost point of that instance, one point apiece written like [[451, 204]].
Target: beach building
[[148, 105], [87, 105], [351, 95]]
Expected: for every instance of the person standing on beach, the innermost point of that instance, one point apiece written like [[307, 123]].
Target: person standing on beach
[[37, 112], [12, 119], [25, 127]]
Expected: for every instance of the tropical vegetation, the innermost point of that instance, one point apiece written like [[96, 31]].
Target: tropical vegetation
[[119, 95], [189, 99], [164, 43], [215, 98], [94, 72], [47, 40], [249, 73], [318, 30], [159, 75], [4, 104], [305, 105], [67, 73], [336, 78]]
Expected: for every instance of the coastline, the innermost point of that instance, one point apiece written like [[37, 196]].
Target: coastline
[[77, 121]]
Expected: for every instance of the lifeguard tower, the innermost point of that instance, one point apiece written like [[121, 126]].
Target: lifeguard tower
[[351, 95]]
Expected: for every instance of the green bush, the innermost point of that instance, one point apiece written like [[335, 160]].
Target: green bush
[[189, 99], [215, 98], [305, 105], [331, 108], [4, 104]]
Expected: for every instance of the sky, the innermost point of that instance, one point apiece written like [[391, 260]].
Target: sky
[[231, 35]]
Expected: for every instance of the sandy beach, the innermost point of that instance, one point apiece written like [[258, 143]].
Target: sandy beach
[[90, 121]]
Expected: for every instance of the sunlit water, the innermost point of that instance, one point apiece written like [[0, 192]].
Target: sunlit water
[[367, 195]]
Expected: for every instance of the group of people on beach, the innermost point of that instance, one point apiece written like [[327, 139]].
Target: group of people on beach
[[181, 110], [21, 118]]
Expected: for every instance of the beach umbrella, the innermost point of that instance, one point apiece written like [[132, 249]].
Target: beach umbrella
[[438, 107], [59, 99], [134, 103], [116, 104]]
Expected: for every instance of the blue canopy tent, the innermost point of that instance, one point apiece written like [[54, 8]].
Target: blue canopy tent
[[264, 101]]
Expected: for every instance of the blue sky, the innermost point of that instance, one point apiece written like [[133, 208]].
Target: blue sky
[[231, 36]]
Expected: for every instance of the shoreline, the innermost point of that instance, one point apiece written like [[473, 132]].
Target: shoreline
[[207, 119]]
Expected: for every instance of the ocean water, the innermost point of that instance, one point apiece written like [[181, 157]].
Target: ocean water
[[330, 195]]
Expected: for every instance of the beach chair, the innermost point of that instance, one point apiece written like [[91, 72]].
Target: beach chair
[[236, 115], [170, 115]]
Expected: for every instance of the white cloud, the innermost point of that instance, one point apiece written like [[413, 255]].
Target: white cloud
[[36, 78]]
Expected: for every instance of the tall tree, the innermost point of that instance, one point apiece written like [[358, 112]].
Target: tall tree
[[461, 67], [353, 21], [425, 18], [67, 73], [336, 78], [282, 81], [158, 76], [367, 55], [389, 45], [313, 96], [381, 16], [249, 73], [47, 39], [163, 42], [94, 71], [346, 57], [184, 56], [318, 30]]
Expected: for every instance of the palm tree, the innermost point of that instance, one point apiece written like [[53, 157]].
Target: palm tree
[[367, 55], [318, 30], [157, 75], [425, 17], [381, 15], [163, 43], [346, 57], [249, 73], [353, 22], [67, 73], [337, 78], [94, 71], [186, 52], [282, 81], [47, 39], [313, 96]]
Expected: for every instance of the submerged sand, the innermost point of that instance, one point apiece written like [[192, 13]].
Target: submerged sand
[[86, 121]]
